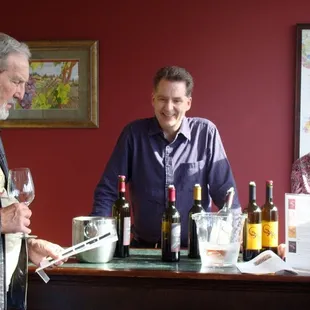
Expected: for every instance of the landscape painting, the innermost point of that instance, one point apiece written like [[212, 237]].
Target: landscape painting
[[62, 90], [53, 84]]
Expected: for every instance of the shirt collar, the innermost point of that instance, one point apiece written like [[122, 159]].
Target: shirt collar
[[185, 130], [155, 129]]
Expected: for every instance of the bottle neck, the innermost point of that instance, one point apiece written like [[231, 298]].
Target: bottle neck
[[269, 194], [171, 197], [171, 204], [197, 195], [121, 190], [121, 195], [197, 202], [252, 194], [197, 192]]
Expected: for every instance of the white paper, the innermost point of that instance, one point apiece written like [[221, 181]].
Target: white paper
[[264, 263], [297, 230], [79, 248]]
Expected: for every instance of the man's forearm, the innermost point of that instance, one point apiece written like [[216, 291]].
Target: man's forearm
[[104, 198]]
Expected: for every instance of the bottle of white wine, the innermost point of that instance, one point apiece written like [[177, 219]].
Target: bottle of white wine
[[270, 221], [226, 209], [193, 245], [252, 237]]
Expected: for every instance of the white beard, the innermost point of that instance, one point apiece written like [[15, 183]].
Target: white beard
[[4, 112]]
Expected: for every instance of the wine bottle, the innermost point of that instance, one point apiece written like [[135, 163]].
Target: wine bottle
[[270, 221], [193, 245], [226, 209], [171, 229], [252, 237], [121, 213]]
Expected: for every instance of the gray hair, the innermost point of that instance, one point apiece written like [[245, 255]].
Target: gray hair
[[8, 46]]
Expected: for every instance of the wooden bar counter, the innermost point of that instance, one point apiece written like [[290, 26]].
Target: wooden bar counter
[[143, 281]]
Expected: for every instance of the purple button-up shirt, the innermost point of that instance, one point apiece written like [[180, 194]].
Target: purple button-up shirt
[[150, 163]]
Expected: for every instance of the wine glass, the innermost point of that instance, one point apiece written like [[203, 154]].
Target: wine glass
[[21, 187]]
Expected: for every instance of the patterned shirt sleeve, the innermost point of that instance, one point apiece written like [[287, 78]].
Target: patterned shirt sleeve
[[300, 175], [296, 179]]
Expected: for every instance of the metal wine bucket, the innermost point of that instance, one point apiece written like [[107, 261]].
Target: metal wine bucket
[[87, 227]]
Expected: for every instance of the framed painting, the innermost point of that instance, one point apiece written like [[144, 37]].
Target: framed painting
[[62, 91], [302, 92]]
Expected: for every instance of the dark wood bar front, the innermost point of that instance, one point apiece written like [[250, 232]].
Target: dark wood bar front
[[144, 282]]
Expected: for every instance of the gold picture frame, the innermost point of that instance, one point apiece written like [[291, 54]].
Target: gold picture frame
[[62, 91]]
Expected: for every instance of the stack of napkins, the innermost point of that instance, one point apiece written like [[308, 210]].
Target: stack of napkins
[[264, 263]]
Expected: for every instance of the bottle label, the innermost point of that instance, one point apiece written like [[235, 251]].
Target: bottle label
[[126, 236], [254, 236], [175, 237], [270, 234]]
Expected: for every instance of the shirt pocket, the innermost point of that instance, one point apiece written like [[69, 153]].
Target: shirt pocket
[[188, 174]]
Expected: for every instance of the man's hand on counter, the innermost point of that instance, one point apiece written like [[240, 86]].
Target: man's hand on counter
[[282, 250]]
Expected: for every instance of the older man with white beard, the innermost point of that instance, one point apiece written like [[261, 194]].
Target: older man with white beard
[[14, 216]]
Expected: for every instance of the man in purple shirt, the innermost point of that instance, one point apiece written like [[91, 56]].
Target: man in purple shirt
[[169, 148]]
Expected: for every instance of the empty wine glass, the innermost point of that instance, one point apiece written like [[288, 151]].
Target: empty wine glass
[[21, 187]]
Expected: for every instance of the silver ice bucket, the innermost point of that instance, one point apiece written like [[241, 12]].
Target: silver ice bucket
[[87, 227]]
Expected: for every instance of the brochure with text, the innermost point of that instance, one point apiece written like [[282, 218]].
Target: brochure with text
[[297, 230]]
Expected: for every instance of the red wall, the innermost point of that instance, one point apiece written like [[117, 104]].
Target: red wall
[[241, 54]]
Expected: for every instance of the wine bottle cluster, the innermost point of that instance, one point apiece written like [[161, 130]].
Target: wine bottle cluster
[[261, 225], [170, 226]]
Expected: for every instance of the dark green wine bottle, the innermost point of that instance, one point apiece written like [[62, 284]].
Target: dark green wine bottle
[[121, 213], [171, 229]]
